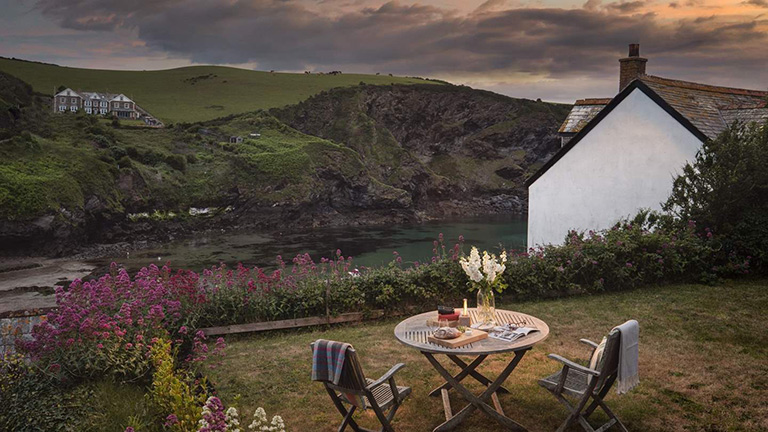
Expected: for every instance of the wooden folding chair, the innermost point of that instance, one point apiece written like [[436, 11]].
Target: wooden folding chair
[[360, 392], [583, 383]]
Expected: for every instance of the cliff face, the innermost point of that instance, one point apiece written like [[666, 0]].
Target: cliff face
[[445, 145], [20, 108], [365, 154]]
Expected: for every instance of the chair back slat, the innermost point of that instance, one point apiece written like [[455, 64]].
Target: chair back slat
[[610, 367]]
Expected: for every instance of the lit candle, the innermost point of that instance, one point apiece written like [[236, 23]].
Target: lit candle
[[464, 318]]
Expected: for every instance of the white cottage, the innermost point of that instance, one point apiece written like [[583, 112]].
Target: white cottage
[[620, 155]]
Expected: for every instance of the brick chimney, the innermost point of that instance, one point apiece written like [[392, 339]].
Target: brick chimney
[[631, 67]]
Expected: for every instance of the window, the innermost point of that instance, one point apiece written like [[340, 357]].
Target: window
[[126, 105], [73, 109], [88, 110], [87, 103], [103, 110], [73, 100], [62, 108], [116, 105], [103, 103], [62, 99]]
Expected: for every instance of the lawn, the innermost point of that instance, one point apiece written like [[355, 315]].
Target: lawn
[[702, 363], [194, 93]]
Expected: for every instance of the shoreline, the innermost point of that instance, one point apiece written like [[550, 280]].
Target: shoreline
[[27, 282]]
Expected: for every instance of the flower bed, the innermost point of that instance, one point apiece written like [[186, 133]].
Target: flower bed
[[145, 329]]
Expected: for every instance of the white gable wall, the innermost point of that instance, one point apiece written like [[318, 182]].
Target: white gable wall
[[625, 163]]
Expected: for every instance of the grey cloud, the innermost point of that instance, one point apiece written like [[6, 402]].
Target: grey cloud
[[626, 6], [592, 5], [760, 3], [420, 40]]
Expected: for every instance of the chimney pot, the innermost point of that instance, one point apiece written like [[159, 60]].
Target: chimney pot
[[631, 67]]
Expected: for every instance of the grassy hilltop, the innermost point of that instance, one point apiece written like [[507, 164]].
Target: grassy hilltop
[[194, 93]]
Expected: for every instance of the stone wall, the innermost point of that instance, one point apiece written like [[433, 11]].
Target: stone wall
[[12, 329]]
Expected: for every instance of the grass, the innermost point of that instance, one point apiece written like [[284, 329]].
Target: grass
[[167, 169], [702, 364], [194, 93]]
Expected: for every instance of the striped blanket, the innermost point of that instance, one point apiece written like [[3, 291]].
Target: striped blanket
[[328, 360]]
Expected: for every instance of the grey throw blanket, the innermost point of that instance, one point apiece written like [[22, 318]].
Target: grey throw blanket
[[328, 360], [628, 356]]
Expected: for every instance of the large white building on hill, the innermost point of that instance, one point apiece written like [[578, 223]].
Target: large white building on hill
[[620, 155], [117, 105]]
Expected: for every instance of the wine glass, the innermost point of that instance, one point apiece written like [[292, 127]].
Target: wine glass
[[442, 323], [433, 325]]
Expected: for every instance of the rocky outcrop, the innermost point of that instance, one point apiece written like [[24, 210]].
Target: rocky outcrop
[[438, 143]]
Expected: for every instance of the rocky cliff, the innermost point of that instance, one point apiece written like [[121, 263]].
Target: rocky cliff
[[452, 148], [365, 154]]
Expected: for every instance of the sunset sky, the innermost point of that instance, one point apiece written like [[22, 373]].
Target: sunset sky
[[557, 50]]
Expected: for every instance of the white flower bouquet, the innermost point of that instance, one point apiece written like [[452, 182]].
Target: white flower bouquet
[[484, 274]]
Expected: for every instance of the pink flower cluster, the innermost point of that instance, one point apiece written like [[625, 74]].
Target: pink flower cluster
[[260, 281], [115, 312], [214, 418]]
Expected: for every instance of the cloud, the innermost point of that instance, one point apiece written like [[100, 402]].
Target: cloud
[[626, 6], [592, 5], [759, 3], [491, 5], [418, 39]]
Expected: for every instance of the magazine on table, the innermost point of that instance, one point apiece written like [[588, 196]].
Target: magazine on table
[[510, 332]]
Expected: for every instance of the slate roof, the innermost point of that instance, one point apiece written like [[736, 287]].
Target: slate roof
[[710, 109], [582, 112], [96, 95]]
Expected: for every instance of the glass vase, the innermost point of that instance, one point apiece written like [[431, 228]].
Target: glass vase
[[486, 307]]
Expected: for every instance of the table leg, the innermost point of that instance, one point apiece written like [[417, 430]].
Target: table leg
[[476, 402], [475, 374], [465, 370]]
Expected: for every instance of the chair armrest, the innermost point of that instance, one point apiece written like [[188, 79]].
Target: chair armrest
[[384, 378], [588, 342], [574, 365]]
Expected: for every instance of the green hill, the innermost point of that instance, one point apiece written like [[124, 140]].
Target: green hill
[[195, 93], [353, 155]]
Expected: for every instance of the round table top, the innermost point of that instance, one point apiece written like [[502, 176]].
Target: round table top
[[413, 332]]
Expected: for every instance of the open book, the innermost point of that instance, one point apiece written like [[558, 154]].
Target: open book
[[510, 332]]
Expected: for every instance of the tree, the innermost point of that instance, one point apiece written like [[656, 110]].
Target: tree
[[725, 191]]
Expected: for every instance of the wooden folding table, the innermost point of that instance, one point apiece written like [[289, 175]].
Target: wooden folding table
[[413, 332]]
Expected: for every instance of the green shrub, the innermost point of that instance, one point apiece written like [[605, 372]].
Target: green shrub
[[725, 191], [101, 141], [630, 254], [170, 393], [177, 162], [36, 401]]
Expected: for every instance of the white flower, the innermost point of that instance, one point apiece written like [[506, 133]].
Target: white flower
[[472, 265], [488, 268], [231, 419], [260, 422]]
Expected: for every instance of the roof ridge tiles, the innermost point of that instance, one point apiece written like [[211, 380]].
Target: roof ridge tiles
[[593, 101], [702, 87]]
